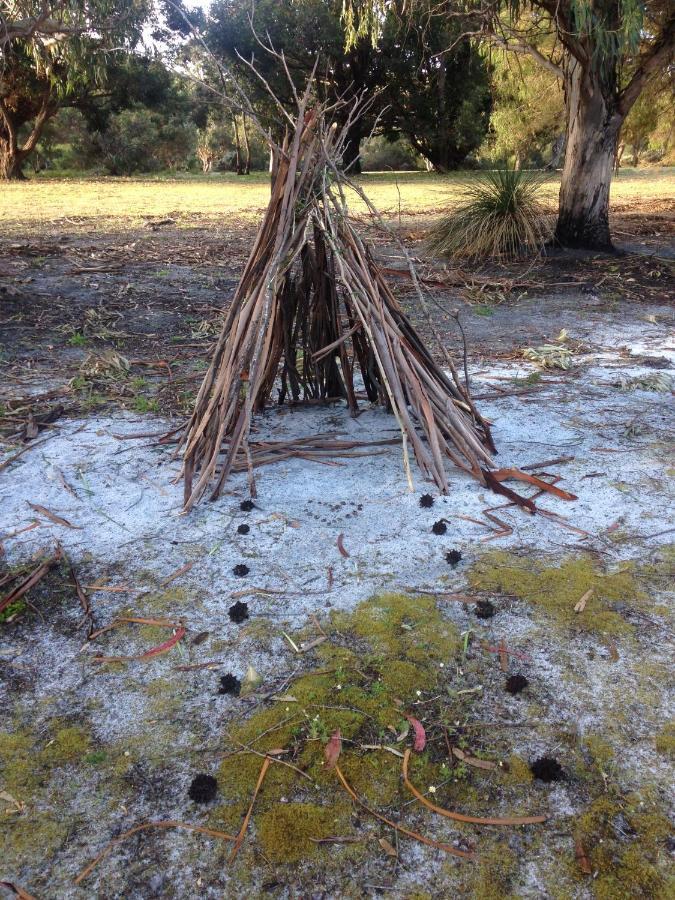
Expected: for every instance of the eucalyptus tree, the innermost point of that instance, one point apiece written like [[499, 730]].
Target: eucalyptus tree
[[55, 54], [605, 52]]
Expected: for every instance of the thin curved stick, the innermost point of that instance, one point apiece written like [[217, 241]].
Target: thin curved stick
[[460, 817], [244, 825], [465, 854], [167, 823]]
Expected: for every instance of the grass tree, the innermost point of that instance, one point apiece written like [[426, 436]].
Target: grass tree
[[606, 52], [500, 216]]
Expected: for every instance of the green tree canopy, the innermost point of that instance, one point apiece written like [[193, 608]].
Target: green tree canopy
[[52, 55]]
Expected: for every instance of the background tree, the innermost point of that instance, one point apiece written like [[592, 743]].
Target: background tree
[[650, 125], [41, 72], [440, 101], [528, 111], [300, 29]]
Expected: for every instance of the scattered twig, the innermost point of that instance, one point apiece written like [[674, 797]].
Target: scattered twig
[[341, 546], [57, 520], [145, 826], [239, 840], [16, 890], [465, 854], [180, 632], [31, 580], [460, 817]]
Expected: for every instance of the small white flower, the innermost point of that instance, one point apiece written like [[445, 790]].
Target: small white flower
[[419, 693], [432, 789], [442, 665], [338, 687]]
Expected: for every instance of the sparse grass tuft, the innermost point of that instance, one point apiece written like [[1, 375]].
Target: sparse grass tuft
[[501, 216]]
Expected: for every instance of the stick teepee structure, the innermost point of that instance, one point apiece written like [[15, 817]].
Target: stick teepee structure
[[314, 318]]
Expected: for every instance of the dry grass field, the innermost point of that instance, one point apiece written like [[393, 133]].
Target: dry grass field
[[128, 201]]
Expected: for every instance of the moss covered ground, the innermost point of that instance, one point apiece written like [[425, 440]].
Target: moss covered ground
[[394, 656]]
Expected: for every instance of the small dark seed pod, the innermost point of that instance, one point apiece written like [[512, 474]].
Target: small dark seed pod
[[229, 684], [515, 684], [453, 557], [484, 609], [238, 612], [203, 788], [547, 769]]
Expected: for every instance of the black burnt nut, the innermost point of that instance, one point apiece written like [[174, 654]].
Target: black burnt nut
[[514, 684], [439, 527], [547, 769], [240, 570], [453, 558], [203, 788], [426, 501], [238, 612], [246, 505], [243, 529], [484, 609], [229, 684]]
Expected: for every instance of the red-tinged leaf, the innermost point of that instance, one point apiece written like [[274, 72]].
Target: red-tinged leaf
[[420, 734], [332, 749], [582, 859], [341, 546], [154, 651]]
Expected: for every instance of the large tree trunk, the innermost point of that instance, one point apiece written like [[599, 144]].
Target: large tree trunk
[[13, 156], [593, 125], [11, 163], [247, 146], [237, 145], [350, 158]]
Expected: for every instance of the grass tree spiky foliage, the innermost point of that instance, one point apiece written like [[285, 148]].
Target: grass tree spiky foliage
[[501, 216]]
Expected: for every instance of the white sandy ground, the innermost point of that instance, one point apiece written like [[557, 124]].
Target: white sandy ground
[[130, 531]]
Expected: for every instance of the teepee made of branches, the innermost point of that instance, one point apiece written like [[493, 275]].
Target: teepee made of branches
[[313, 319]]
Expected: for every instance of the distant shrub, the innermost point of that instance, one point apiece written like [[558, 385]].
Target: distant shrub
[[137, 140], [501, 216], [379, 154]]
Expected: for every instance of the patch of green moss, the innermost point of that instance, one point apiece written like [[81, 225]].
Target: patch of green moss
[[14, 609], [517, 772], [600, 751], [27, 836], [365, 694], [409, 628], [166, 601], [68, 745], [285, 831], [625, 842], [25, 766], [557, 588], [665, 740], [494, 873], [97, 758], [18, 773]]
